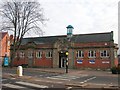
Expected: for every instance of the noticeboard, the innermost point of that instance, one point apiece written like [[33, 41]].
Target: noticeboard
[[6, 61], [92, 61], [79, 61]]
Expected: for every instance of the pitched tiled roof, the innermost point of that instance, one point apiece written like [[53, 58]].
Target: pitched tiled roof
[[79, 38], [95, 37]]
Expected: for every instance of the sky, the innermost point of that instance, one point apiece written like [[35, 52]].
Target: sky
[[86, 16]]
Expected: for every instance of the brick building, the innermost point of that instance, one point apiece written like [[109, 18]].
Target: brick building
[[4, 44], [96, 50]]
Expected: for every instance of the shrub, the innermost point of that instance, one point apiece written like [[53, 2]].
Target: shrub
[[114, 70]]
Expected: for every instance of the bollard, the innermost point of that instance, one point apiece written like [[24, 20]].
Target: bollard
[[19, 71]]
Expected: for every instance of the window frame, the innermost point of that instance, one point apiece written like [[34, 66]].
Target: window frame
[[38, 54], [92, 53], [30, 54], [80, 54], [22, 54], [106, 54], [48, 54]]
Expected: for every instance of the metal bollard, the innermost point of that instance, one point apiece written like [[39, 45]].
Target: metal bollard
[[19, 71]]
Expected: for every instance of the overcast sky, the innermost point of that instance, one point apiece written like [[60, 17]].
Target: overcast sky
[[86, 16]]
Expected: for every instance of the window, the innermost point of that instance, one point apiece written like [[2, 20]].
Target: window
[[38, 54], [92, 54], [48, 54], [115, 54], [16, 55], [30, 54], [8, 43], [80, 54], [22, 54], [104, 53]]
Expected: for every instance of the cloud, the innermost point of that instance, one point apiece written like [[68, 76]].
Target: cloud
[[86, 16]]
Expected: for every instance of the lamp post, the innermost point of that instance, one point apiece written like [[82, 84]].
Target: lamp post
[[69, 36]]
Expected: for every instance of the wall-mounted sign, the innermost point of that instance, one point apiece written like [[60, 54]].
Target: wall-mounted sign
[[92, 61], [105, 62], [6, 61], [79, 61]]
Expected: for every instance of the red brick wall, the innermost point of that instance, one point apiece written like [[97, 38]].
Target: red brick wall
[[5, 46], [48, 62], [39, 62], [94, 44], [43, 62], [99, 62]]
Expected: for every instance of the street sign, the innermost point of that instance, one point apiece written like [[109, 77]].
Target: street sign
[[105, 62], [6, 61], [92, 61], [79, 61]]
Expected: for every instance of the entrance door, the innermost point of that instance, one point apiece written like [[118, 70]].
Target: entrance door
[[62, 59], [30, 58]]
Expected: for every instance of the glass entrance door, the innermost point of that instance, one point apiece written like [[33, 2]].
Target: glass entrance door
[[62, 59]]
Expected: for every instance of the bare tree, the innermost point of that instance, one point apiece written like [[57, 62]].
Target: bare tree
[[21, 17]]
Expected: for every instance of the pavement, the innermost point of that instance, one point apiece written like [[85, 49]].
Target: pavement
[[71, 72]]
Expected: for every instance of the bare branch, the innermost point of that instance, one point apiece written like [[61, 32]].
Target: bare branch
[[21, 18]]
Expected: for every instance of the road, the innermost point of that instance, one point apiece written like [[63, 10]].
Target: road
[[17, 84], [57, 80]]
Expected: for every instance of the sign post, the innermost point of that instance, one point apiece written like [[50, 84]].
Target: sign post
[[67, 62]]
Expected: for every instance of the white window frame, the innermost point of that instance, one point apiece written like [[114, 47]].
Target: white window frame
[[30, 54], [48, 54], [92, 54], [115, 54], [80, 54], [38, 54], [8, 43], [16, 54], [22, 54], [105, 54]]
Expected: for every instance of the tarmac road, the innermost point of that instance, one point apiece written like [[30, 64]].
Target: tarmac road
[[99, 78]]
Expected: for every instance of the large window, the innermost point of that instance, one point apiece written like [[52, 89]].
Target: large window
[[30, 54], [104, 53], [22, 54], [80, 54], [115, 54], [38, 54], [92, 54], [16, 54], [49, 54]]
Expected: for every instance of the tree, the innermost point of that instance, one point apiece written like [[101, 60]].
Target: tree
[[21, 17]]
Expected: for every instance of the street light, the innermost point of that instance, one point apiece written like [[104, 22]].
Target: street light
[[69, 36]]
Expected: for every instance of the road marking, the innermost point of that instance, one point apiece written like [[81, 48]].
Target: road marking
[[40, 75], [88, 80], [3, 79], [63, 77], [13, 78], [57, 78], [69, 88], [12, 86], [31, 84], [50, 81]]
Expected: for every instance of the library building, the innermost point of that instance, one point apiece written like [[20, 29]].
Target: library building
[[94, 50]]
